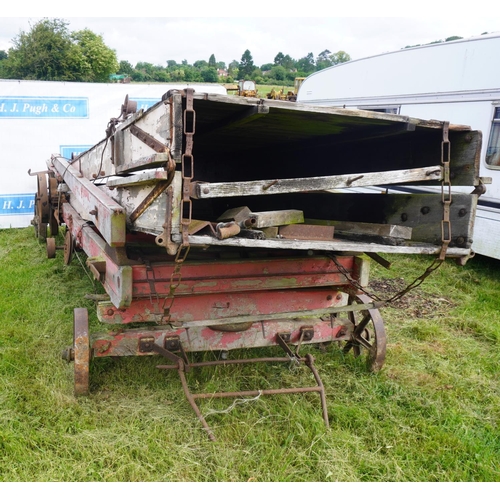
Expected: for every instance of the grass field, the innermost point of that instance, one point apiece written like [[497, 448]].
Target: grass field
[[431, 414]]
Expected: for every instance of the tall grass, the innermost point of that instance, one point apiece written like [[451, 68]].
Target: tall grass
[[431, 414]]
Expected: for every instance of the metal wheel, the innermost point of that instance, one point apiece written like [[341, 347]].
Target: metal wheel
[[53, 195], [81, 351], [368, 337], [69, 247], [42, 208], [51, 248]]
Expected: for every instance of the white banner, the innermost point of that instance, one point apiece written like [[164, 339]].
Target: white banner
[[40, 119]]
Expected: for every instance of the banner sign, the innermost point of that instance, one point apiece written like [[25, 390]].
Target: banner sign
[[68, 151], [17, 204], [44, 107], [144, 103]]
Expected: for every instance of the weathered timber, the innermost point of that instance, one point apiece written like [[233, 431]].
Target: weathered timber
[[151, 161], [365, 228], [306, 232], [203, 190], [142, 178], [334, 246]]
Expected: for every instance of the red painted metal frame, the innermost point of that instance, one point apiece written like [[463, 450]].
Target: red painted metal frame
[[217, 306], [260, 334], [250, 302]]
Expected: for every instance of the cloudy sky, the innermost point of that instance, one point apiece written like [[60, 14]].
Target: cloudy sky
[[263, 27]]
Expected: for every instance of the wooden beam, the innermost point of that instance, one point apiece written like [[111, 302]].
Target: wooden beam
[[204, 190]]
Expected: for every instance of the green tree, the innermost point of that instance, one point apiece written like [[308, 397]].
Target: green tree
[[125, 68], [288, 63], [101, 59], [306, 64], [211, 61], [323, 60], [278, 59], [209, 74], [46, 52], [200, 64], [339, 57], [246, 65], [49, 51], [3, 55], [278, 73], [233, 69]]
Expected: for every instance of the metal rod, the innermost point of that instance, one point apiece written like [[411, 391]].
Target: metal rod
[[310, 364], [192, 402], [230, 362], [264, 392]]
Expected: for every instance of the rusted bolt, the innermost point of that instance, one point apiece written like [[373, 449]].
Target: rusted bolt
[[68, 354], [110, 312], [339, 296], [329, 297], [460, 240], [341, 332], [462, 212], [404, 217], [206, 190], [104, 347], [425, 210]]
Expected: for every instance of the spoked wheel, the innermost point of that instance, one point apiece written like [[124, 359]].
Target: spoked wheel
[[81, 351], [42, 208], [69, 247], [368, 337], [53, 196]]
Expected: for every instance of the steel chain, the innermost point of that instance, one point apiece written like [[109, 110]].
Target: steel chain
[[187, 171], [445, 231]]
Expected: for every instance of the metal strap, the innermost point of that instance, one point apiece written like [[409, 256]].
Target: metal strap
[[445, 192], [187, 170]]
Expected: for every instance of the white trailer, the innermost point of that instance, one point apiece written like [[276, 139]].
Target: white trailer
[[38, 119], [456, 81]]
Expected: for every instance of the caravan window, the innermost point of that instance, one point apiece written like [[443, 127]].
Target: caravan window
[[392, 111], [493, 150]]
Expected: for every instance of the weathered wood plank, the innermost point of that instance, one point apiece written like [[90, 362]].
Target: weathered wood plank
[[365, 228], [306, 232], [142, 178], [150, 161], [333, 246], [204, 190]]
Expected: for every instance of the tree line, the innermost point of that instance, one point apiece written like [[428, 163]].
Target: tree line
[[50, 51]]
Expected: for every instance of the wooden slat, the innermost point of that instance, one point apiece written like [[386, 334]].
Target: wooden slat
[[315, 184], [333, 246], [142, 178]]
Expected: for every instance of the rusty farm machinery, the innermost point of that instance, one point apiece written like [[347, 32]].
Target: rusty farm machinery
[[219, 222]]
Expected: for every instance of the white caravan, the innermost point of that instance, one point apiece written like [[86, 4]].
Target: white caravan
[[456, 81]]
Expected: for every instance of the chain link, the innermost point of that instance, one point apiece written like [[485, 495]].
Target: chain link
[[187, 171]]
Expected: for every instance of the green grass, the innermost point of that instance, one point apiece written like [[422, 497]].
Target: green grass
[[431, 414]]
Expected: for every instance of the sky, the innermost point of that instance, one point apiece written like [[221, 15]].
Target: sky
[[264, 28]]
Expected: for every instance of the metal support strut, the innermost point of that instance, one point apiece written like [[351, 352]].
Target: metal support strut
[[182, 366]]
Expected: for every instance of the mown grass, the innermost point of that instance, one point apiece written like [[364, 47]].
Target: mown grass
[[431, 414]]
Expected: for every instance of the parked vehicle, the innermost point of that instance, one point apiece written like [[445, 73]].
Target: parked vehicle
[[458, 81]]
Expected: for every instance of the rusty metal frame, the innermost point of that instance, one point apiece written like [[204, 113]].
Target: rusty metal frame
[[182, 365]]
